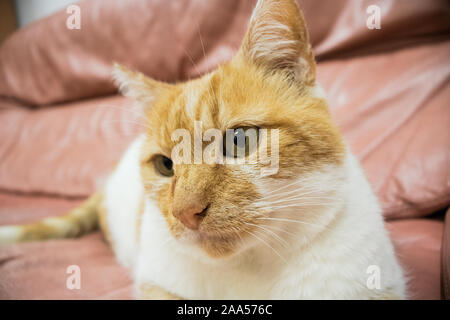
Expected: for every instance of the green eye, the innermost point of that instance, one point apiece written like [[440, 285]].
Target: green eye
[[163, 165], [239, 142]]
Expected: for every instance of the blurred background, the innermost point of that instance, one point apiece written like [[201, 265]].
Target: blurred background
[[18, 13], [63, 126]]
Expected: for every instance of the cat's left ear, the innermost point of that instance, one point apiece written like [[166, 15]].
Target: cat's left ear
[[137, 86], [277, 39]]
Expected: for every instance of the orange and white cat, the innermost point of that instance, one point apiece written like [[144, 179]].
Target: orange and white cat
[[312, 230]]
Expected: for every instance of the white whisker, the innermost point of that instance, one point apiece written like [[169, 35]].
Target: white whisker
[[271, 232], [293, 221], [299, 198], [268, 245]]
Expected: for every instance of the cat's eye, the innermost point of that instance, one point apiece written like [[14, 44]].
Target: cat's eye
[[163, 165], [240, 142]]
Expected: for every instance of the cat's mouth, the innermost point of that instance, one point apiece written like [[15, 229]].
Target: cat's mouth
[[217, 232]]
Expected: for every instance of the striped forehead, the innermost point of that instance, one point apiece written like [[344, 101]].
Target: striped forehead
[[195, 100], [200, 100]]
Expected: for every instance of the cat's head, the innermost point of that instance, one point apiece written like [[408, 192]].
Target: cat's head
[[270, 84]]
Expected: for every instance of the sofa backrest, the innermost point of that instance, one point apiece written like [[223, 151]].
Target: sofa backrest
[[47, 63]]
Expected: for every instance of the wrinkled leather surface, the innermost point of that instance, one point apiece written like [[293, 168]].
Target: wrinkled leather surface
[[445, 259], [67, 150], [34, 271], [393, 108], [417, 243]]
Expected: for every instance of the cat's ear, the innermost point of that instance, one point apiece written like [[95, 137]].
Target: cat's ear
[[137, 86], [277, 38]]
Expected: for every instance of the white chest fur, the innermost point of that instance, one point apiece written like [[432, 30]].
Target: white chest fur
[[122, 198]]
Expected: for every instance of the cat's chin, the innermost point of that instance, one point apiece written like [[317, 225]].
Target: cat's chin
[[213, 245], [198, 237]]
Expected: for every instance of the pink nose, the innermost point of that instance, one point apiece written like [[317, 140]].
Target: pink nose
[[191, 216]]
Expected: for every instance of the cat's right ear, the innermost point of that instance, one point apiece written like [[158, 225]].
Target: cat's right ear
[[137, 86], [277, 39]]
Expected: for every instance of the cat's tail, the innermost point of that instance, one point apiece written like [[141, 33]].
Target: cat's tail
[[75, 223]]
